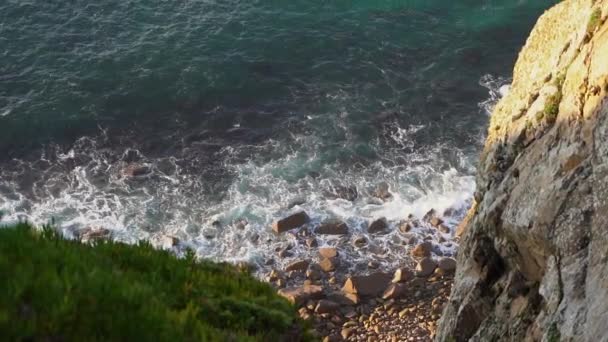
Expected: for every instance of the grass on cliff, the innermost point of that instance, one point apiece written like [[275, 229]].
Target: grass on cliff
[[53, 289]]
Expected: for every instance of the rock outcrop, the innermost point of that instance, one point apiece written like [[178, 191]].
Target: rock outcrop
[[533, 260]]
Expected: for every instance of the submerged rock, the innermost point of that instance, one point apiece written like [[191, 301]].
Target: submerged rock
[[382, 192], [378, 226], [348, 193], [136, 170]]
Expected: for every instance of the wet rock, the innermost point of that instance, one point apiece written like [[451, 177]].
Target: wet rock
[[300, 266], [425, 267], [444, 229], [435, 222], [422, 250], [382, 191], [241, 224], [348, 193], [329, 264], [311, 242], [299, 295], [328, 252], [370, 285], [359, 241], [285, 252], [332, 227], [377, 226], [402, 275], [290, 222], [326, 306], [92, 234], [447, 265], [429, 215], [313, 274], [373, 265], [406, 226], [136, 170], [395, 291], [168, 242]]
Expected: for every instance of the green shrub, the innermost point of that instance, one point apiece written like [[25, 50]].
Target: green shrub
[[55, 289], [594, 20]]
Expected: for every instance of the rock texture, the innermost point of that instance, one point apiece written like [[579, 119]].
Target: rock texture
[[533, 263]]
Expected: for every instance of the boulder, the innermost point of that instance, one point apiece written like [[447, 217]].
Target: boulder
[[395, 291], [402, 275], [435, 222], [300, 295], [422, 250], [370, 285], [328, 252], [447, 264], [344, 298], [290, 222], [326, 306], [425, 267], [377, 226], [329, 264], [332, 227], [299, 266]]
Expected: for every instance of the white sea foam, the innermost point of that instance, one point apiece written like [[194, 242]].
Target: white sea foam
[[86, 187]]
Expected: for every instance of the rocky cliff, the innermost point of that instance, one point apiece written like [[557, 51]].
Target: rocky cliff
[[533, 263]]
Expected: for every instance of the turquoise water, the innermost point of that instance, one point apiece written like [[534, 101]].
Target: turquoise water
[[242, 107]]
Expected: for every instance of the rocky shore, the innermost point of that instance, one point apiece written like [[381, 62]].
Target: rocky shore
[[373, 304]]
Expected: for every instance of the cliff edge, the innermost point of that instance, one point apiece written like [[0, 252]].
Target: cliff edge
[[533, 263]]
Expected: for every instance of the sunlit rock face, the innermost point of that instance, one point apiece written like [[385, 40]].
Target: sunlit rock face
[[533, 263]]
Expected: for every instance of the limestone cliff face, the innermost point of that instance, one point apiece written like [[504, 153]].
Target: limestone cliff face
[[533, 264]]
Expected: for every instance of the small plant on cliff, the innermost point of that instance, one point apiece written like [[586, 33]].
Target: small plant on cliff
[[594, 21], [552, 102], [553, 334], [53, 289]]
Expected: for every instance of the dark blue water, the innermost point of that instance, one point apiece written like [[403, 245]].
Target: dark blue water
[[239, 108]]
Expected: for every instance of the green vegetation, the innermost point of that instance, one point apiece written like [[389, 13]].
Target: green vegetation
[[552, 102], [594, 20], [55, 289], [553, 334]]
